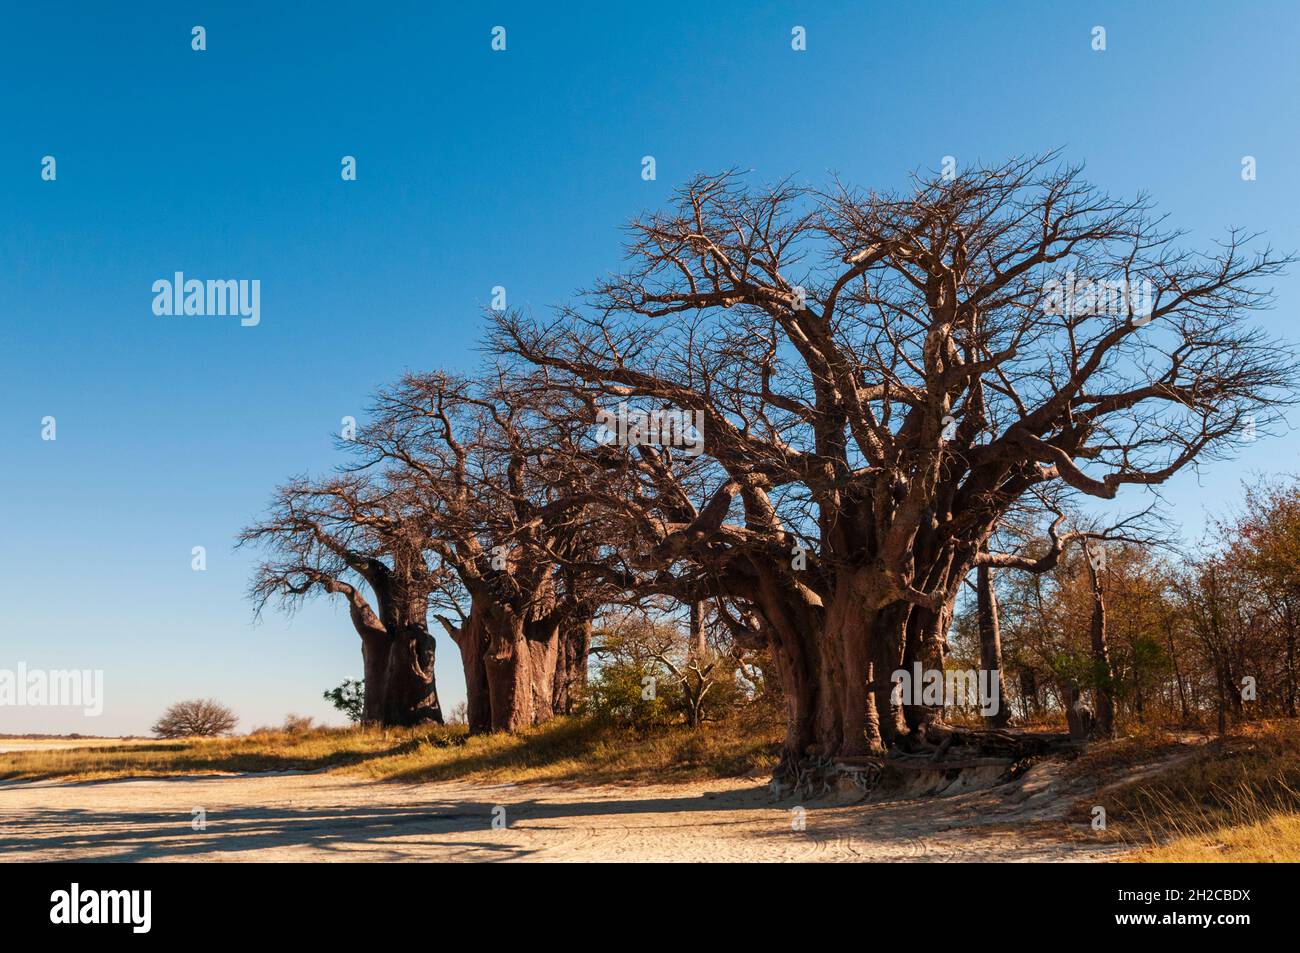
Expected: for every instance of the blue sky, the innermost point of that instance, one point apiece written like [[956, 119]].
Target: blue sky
[[475, 169]]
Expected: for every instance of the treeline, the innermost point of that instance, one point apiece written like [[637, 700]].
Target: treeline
[[794, 428], [1191, 638]]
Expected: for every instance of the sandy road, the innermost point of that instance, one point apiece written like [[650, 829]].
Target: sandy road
[[340, 817]]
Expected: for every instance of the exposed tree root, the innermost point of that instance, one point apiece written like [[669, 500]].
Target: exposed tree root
[[940, 749]]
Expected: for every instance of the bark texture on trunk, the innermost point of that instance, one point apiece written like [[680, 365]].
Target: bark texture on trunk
[[374, 660], [836, 663], [571, 667], [472, 641], [521, 672], [397, 664], [521, 667], [410, 695]]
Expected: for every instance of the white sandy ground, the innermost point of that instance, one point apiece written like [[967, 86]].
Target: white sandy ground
[[59, 744], [341, 817]]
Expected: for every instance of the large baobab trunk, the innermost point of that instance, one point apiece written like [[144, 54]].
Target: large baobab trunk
[[924, 633], [374, 660], [571, 666], [399, 680], [836, 664], [889, 641], [991, 644], [522, 673], [813, 713], [832, 669], [520, 666], [471, 638], [397, 665], [410, 696]]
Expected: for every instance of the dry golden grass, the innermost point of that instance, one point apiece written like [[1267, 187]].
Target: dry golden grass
[[566, 749], [37, 744], [579, 750], [1236, 798], [1275, 839], [263, 751], [1112, 758]]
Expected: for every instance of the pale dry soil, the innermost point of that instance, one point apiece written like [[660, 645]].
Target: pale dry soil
[[61, 744], [325, 816]]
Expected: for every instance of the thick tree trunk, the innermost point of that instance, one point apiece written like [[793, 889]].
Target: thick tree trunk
[[794, 630], [505, 665], [990, 628], [889, 638], [837, 674], [472, 640], [399, 681], [410, 696], [543, 663], [847, 635], [523, 673], [571, 666], [520, 666], [925, 637], [836, 662], [374, 661]]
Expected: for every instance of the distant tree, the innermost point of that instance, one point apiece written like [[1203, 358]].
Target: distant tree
[[349, 698], [194, 719], [459, 715]]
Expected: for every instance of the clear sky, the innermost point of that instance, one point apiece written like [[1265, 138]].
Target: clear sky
[[474, 168]]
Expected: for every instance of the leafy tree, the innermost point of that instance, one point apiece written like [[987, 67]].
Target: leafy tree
[[349, 698]]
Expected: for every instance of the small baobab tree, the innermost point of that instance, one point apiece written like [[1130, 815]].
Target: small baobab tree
[[363, 539]]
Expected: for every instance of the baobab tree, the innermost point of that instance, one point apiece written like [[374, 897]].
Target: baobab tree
[[505, 502], [364, 540], [884, 376]]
